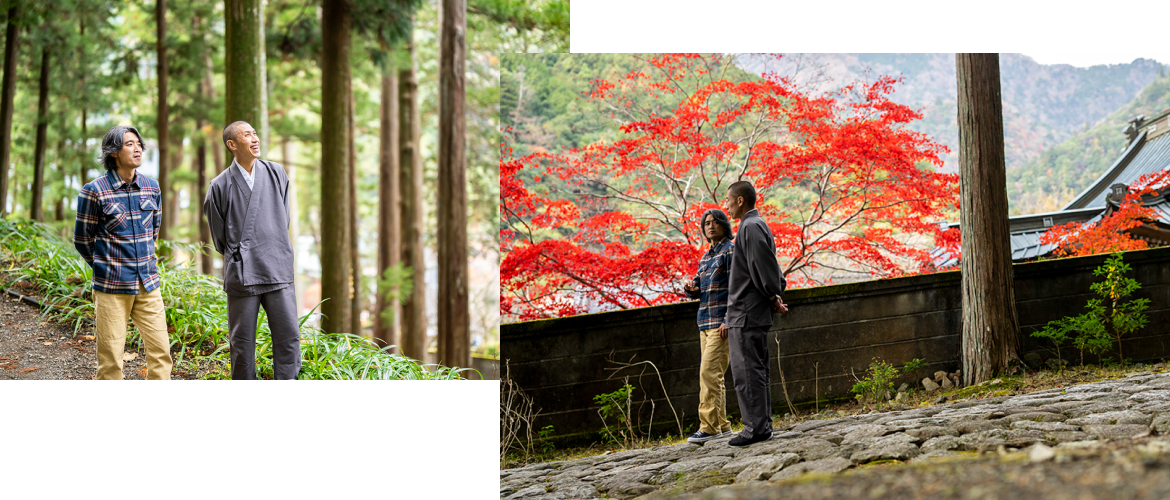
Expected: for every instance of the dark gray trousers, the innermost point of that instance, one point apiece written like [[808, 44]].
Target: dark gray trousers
[[280, 305], [749, 367]]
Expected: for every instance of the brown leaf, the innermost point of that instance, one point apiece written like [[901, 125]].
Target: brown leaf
[[26, 370], [47, 343], [85, 337], [129, 356]]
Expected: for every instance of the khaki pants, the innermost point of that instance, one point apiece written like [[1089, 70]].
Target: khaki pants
[[110, 313], [712, 396]]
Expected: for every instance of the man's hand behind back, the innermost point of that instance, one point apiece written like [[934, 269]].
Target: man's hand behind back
[[778, 305]]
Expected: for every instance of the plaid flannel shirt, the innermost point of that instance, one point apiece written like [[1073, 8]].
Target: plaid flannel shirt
[[714, 273], [117, 225]]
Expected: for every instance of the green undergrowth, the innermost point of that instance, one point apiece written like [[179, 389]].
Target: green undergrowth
[[39, 262]]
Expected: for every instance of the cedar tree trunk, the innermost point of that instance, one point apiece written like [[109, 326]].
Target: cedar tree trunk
[[990, 328], [389, 208], [7, 92], [160, 20], [335, 257], [454, 322], [412, 336], [38, 186]]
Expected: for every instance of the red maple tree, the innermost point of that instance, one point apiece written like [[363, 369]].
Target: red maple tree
[[1110, 233], [841, 180]]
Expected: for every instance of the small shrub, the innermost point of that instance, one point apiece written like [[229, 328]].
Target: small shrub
[[1107, 318], [617, 405], [545, 433], [878, 383]]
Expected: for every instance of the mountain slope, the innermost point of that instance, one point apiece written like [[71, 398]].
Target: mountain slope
[[1057, 175], [1043, 104]]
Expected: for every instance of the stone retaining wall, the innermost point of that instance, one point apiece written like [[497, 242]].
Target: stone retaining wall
[[828, 333]]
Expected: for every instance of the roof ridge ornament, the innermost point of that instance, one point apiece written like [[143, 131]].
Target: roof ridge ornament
[[1134, 128]]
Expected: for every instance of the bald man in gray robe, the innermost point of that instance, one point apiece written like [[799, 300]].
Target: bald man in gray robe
[[248, 211]]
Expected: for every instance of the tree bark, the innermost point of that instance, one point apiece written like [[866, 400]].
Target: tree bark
[[354, 256], [990, 326], [217, 156], [38, 186], [58, 205], [389, 207], [170, 212], [7, 92], [160, 18], [412, 335], [335, 257], [205, 262], [244, 65], [294, 217], [85, 161], [454, 321]]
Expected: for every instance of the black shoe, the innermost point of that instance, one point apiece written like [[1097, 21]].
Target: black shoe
[[742, 441]]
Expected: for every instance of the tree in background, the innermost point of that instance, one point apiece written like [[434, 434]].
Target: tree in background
[[412, 336], [536, 22], [7, 93], [991, 330], [843, 182], [454, 321], [161, 121], [1110, 234], [336, 261]]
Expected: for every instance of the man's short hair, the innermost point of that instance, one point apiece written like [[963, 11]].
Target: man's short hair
[[744, 189], [229, 132], [112, 143]]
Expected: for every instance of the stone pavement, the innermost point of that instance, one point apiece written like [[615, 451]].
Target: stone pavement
[[1072, 418]]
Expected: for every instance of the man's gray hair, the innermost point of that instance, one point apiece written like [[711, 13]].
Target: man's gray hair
[[112, 143], [229, 132]]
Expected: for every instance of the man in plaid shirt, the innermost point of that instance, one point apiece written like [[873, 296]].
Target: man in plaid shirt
[[118, 218], [710, 287]]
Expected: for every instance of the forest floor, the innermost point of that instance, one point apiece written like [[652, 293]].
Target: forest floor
[[1108, 438], [37, 348]]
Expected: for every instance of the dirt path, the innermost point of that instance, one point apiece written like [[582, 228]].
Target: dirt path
[[32, 348]]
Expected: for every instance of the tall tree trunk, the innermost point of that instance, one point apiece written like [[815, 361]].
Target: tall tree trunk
[[335, 257], [990, 325], [354, 255], [412, 336], [160, 20], [244, 63], [389, 207], [171, 202], [294, 217], [86, 161], [7, 92], [58, 206], [454, 321], [84, 164], [206, 264], [217, 155], [38, 186]]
